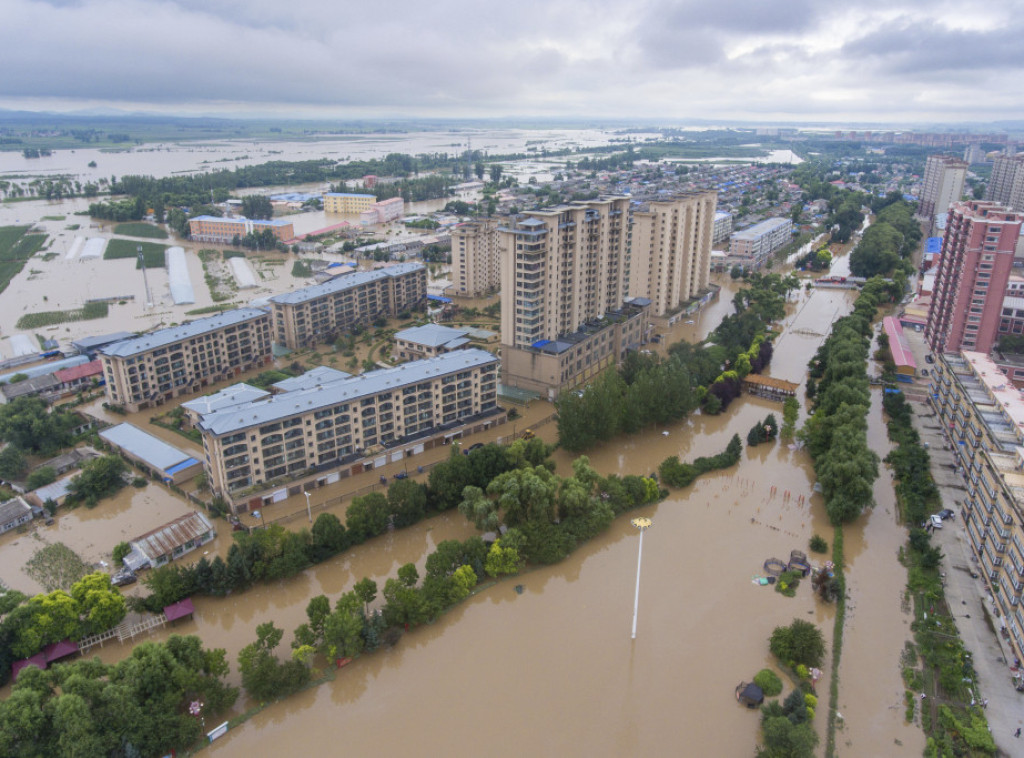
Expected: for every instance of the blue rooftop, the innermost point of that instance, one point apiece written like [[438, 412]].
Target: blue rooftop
[[933, 245]]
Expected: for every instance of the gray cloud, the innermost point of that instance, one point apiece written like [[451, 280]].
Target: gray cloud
[[659, 58]]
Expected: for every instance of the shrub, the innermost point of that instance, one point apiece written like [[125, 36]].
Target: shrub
[[818, 544], [121, 549], [769, 682], [800, 642]]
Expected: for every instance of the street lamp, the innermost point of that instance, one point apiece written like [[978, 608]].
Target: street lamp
[[309, 511], [643, 524]]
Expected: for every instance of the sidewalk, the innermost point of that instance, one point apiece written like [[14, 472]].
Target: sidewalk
[[969, 600]]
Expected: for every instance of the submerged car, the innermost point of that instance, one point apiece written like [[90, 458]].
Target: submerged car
[[123, 577], [946, 513], [935, 521]]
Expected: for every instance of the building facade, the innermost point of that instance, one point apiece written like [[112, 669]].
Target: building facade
[[317, 314], [970, 283], [428, 341], [751, 247], [1006, 185], [983, 416], [223, 231], [383, 211], [476, 261], [294, 433], [153, 368], [722, 228], [347, 202], [562, 271], [943, 184], [670, 261]]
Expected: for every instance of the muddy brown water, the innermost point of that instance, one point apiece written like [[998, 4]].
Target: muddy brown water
[[556, 663]]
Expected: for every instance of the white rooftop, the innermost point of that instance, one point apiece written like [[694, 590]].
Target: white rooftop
[[172, 334], [144, 446], [343, 282], [433, 335], [315, 377], [346, 390], [236, 394]]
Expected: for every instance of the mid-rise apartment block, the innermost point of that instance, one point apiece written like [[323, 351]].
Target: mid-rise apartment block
[[347, 202], [565, 309], [1006, 185], [671, 250], [977, 256], [323, 428], [983, 416], [383, 211], [722, 228], [153, 368], [476, 260], [752, 247], [224, 231], [943, 184], [319, 313]]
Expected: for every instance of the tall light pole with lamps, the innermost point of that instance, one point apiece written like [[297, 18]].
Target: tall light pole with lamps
[[643, 524], [309, 511]]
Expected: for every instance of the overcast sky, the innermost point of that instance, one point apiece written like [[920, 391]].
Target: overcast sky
[[845, 60]]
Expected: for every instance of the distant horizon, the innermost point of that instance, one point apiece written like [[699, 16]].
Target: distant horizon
[[8, 115]]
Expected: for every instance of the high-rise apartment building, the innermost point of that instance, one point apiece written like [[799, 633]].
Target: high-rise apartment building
[[347, 202], [320, 429], [1006, 185], [476, 263], [943, 184], [315, 314], [565, 308], [971, 281], [152, 368], [670, 258]]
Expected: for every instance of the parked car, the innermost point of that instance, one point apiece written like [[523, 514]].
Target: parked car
[[929, 359], [935, 521], [401, 475], [946, 513]]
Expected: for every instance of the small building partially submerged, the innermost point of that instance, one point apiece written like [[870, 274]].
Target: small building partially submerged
[[899, 347], [749, 694], [14, 513], [170, 541], [168, 462], [769, 387]]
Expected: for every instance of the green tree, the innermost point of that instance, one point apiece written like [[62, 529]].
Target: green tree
[[12, 463], [98, 478], [40, 477], [480, 509], [329, 536], [257, 207], [29, 423], [366, 591], [367, 516], [408, 502], [343, 629], [99, 602], [799, 643], [463, 581], [502, 560]]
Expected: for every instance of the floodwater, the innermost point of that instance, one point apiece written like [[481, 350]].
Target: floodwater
[[165, 159], [558, 656], [93, 533]]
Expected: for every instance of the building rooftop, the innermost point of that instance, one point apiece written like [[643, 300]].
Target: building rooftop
[[170, 335], [144, 446], [315, 377], [433, 335], [345, 390], [13, 509], [92, 368], [348, 194], [55, 490], [762, 227], [88, 343], [236, 394], [343, 282], [163, 540], [264, 221]]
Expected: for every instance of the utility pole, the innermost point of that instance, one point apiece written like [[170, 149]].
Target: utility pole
[[145, 279]]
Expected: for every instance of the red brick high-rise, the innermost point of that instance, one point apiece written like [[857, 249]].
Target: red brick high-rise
[[977, 256]]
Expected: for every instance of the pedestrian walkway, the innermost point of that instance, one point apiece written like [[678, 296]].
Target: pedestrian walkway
[[967, 595]]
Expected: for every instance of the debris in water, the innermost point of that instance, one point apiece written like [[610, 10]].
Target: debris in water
[[519, 589]]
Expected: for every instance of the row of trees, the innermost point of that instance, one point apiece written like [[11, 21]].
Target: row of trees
[[275, 552], [836, 433], [675, 473], [28, 624], [888, 243], [648, 390]]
